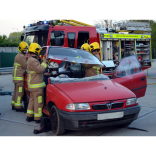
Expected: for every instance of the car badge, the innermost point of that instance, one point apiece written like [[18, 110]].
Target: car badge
[[109, 105]]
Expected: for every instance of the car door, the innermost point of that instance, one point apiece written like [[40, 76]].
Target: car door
[[130, 75]]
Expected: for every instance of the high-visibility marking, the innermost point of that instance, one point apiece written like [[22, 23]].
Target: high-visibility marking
[[18, 101], [20, 89], [39, 114], [31, 72], [18, 78], [44, 65], [39, 99], [12, 102], [126, 36], [30, 111], [37, 85], [97, 69]]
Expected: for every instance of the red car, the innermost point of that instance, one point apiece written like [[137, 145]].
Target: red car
[[77, 102]]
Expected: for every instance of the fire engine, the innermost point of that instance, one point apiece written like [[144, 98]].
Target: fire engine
[[131, 38]]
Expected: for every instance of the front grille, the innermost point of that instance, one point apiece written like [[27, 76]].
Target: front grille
[[105, 107]]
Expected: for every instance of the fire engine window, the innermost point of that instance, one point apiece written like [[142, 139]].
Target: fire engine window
[[57, 41], [71, 39], [83, 37], [37, 37]]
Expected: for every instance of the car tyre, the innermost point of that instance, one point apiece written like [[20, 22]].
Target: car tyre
[[57, 126]]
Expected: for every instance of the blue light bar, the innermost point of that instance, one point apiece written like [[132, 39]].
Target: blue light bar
[[45, 22], [28, 25]]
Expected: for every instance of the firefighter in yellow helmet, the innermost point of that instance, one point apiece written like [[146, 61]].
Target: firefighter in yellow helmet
[[94, 48], [35, 83], [19, 68], [91, 69], [85, 47]]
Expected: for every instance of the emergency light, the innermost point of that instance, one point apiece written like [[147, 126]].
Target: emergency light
[[41, 23]]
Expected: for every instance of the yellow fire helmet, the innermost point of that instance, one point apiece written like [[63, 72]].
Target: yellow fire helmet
[[94, 46], [85, 46], [23, 46], [35, 48]]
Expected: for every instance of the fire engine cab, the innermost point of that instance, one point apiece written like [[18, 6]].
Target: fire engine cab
[[45, 33]]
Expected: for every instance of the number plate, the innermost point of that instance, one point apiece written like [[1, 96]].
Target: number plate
[[110, 115]]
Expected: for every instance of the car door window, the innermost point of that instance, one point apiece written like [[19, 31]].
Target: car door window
[[130, 75], [129, 65]]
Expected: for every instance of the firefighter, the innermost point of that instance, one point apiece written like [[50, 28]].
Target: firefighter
[[35, 83], [94, 48], [19, 68], [91, 69]]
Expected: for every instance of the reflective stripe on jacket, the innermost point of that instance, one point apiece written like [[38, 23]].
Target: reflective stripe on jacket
[[35, 74], [19, 68]]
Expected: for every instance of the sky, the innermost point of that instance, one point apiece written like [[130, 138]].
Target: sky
[[18, 13], [14, 25]]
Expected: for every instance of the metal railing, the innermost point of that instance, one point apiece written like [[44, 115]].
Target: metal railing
[[6, 70]]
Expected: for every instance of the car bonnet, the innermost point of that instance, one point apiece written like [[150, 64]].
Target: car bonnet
[[93, 91]]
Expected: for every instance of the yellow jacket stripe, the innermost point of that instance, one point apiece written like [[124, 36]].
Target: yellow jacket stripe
[[36, 85], [17, 64], [18, 78], [31, 72], [30, 111], [39, 114], [44, 65], [12, 102], [97, 69]]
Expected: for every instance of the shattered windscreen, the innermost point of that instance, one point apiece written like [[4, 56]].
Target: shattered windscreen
[[73, 55], [68, 80]]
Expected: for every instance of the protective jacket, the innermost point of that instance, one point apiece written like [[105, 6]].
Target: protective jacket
[[91, 69], [20, 66], [35, 74]]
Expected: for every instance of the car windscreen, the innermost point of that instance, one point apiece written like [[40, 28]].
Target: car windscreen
[[85, 79], [73, 55]]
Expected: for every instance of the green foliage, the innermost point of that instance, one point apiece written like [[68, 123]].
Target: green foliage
[[56, 22], [12, 41]]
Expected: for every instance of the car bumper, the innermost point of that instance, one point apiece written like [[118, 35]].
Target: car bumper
[[86, 120]]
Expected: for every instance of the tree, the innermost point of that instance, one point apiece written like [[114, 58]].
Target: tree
[[5, 42], [15, 37], [104, 23]]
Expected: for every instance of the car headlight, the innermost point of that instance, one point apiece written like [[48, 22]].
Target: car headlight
[[131, 101], [78, 106]]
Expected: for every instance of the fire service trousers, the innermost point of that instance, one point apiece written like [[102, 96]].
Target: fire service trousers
[[18, 95], [35, 104]]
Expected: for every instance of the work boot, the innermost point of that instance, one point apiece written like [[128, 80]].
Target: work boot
[[29, 119], [13, 108], [20, 110], [37, 121]]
